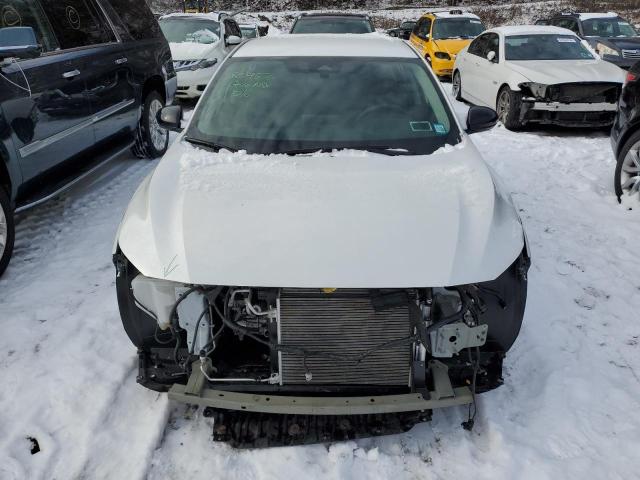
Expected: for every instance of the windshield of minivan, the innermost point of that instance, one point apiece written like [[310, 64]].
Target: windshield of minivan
[[608, 27], [195, 30], [545, 47], [332, 25], [288, 104], [456, 28]]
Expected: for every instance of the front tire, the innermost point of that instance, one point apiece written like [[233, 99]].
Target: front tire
[[456, 86], [7, 230], [151, 140], [627, 176], [508, 107]]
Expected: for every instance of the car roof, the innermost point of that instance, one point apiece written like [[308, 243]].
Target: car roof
[[450, 14], [327, 45], [589, 16], [334, 14], [201, 16], [531, 30]]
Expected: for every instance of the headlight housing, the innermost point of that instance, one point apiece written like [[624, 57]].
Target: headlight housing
[[532, 89], [193, 65], [442, 55], [603, 49]]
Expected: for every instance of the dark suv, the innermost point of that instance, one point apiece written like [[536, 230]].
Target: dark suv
[[80, 82], [614, 38], [333, 23]]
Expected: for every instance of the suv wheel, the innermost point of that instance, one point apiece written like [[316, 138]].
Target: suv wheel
[[151, 140], [627, 176], [508, 108], [7, 230]]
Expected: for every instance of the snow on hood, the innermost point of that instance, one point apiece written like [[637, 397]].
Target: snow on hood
[[549, 72], [191, 50], [344, 219]]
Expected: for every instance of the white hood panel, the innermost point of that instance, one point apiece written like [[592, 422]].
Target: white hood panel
[[191, 50], [343, 220], [550, 72]]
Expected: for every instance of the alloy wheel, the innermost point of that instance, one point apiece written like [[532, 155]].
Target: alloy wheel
[[630, 174], [504, 104], [4, 231], [455, 87], [157, 133]]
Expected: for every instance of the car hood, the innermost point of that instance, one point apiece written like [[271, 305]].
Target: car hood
[[451, 46], [622, 43], [550, 72], [344, 219], [191, 50]]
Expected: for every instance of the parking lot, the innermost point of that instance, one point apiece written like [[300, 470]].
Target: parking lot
[[67, 369]]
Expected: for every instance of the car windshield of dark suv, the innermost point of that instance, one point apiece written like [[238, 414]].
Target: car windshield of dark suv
[[545, 47], [180, 30], [608, 27], [332, 25], [305, 104], [456, 28]]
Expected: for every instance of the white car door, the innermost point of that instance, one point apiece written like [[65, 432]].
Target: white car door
[[468, 64], [490, 70]]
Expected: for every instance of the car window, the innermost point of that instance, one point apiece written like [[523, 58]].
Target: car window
[[276, 104], [332, 25], [444, 28], [608, 27], [24, 13], [249, 32], [190, 30], [137, 18], [492, 45], [545, 47], [568, 23], [478, 46], [77, 23]]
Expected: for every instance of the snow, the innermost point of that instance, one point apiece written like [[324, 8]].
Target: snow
[[569, 409]]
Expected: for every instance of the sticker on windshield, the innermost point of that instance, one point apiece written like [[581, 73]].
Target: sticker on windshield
[[420, 127], [439, 128], [566, 40], [245, 84]]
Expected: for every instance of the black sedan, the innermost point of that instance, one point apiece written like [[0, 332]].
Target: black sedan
[[625, 138], [403, 31]]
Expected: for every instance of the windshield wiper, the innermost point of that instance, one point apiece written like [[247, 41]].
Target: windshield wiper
[[383, 149], [216, 147]]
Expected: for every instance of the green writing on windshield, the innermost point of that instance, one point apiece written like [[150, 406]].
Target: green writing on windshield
[[243, 84]]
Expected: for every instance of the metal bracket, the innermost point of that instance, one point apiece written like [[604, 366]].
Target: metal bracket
[[441, 383], [449, 340]]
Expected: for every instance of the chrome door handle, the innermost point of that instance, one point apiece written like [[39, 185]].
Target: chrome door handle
[[71, 73], [122, 60]]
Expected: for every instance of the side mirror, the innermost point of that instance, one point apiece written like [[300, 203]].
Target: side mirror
[[491, 56], [18, 42], [170, 118], [233, 40], [481, 119]]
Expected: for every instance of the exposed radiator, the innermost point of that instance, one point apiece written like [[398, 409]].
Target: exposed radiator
[[342, 322]]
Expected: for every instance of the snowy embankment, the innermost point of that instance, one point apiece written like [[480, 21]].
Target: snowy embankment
[[569, 409]]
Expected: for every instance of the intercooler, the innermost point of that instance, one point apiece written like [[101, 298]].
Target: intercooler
[[342, 322]]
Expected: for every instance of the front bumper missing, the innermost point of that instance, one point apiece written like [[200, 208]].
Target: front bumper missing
[[443, 395], [574, 107], [601, 114]]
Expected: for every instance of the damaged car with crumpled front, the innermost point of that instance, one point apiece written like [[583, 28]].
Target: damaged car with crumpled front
[[323, 253]]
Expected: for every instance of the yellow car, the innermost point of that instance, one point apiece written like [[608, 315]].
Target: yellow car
[[439, 36]]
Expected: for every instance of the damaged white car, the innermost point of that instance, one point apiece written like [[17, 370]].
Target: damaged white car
[[322, 253]]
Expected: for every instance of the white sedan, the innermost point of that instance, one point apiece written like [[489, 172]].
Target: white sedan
[[538, 74]]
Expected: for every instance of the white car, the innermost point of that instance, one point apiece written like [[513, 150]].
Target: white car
[[323, 239], [199, 42], [538, 74]]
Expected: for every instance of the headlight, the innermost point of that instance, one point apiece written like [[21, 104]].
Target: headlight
[[192, 65], [442, 55], [536, 90], [602, 49]]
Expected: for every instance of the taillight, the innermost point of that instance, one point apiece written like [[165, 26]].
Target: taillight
[[631, 77]]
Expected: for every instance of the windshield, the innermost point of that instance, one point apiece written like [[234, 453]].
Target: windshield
[[545, 47], [248, 32], [608, 27], [456, 28], [332, 25], [179, 30], [285, 104]]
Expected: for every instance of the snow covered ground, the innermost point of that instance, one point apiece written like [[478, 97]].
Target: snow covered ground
[[569, 409]]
